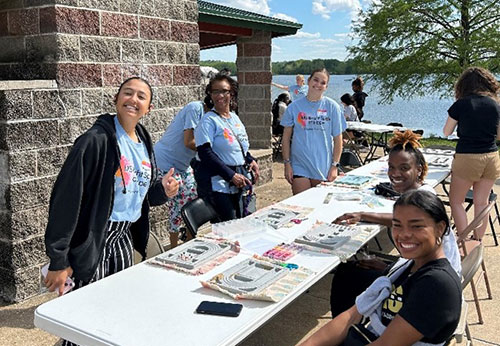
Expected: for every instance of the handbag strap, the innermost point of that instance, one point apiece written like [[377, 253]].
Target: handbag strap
[[234, 135]]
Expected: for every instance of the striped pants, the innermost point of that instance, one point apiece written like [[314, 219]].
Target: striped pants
[[118, 255]]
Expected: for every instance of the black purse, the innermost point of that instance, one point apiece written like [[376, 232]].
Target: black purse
[[386, 190]]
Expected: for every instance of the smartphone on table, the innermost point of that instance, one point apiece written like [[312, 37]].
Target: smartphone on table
[[220, 309]]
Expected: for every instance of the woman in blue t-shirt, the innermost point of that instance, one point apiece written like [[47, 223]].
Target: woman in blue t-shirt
[[100, 202], [296, 91], [419, 300], [315, 122], [175, 149], [476, 164], [223, 175]]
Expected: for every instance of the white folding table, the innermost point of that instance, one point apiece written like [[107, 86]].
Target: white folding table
[[150, 305]]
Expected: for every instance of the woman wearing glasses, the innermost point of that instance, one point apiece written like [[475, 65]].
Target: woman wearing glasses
[[222, 145]]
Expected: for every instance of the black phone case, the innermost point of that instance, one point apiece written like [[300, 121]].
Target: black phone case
[[219, 309]]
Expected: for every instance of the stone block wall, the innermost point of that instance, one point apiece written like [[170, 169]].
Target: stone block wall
[[82, 50], [254, 77]]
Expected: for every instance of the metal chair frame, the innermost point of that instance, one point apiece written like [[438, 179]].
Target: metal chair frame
[[468, 245]]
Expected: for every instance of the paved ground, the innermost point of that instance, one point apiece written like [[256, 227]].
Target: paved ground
[[305, 315]]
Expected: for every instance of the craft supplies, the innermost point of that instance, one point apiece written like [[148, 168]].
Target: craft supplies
[[259, 278], [283, 252], [282, 215], [198, 255]]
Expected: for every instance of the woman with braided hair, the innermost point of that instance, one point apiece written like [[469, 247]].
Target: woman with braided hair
[[407, 170]]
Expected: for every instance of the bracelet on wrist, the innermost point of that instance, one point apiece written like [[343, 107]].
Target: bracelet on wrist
[[285, 161]]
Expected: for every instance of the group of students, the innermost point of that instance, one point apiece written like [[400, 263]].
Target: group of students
[[428, 280], [100, 202]]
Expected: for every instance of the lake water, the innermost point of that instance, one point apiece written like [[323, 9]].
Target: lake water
[[428, 113]]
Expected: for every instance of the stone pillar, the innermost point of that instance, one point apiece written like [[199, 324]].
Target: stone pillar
[[254, 76], [82, 50]]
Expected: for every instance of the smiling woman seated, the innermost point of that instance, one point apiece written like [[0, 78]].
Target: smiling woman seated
[[419, 300], [407, 170]]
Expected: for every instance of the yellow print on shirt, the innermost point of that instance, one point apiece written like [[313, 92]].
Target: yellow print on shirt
[[394, 302]]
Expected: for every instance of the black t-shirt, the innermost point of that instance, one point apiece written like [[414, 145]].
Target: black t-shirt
[[477, 118], [359, 102], [429, 299]]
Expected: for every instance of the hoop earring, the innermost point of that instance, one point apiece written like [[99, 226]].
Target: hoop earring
[[439, 241]]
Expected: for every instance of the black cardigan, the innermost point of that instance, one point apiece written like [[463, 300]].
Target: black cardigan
[[82, 200]]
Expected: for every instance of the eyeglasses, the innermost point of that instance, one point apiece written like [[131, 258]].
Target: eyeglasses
[[220, 92]]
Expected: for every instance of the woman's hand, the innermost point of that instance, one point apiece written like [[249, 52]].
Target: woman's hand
[[169, 183], [332, 173], [254, 167], [289, 173], [349, 218], [239, 180], [56, 279]]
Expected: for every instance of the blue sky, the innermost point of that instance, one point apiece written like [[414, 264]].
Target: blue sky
[[325, 33]]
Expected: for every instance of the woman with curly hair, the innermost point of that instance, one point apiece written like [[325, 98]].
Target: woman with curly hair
[[226, 166], [476, 164], [407, 171]]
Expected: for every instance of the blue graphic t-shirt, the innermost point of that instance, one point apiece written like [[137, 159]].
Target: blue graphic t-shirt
[[297, 92], [136, 168], [170, 150], [314, 126], [220, 133]]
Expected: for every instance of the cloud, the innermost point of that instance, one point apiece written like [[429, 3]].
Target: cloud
[[257, 6], [325, 7], [285, 17], [303, 34], [321, 42], [343, 34]]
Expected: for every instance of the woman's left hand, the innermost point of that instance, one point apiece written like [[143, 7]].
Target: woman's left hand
[[332, 173], [169, 183], [254, 167]]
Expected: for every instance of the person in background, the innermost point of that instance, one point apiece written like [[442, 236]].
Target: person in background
[[407, 171], [225, 71], [100, 201], [278, 109], [476, 113], [296, 91], [175, 149], [315, 121], [419, 300], [222, 144], [350, 112], [359, 96]]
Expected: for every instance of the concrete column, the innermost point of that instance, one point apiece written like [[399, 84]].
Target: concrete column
[[254, 77], [81, 50]]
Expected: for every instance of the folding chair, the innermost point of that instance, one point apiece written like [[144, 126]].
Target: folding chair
[[153, 248], [467, 246], [276, 144], [197, 212], [351, 143], [492, 198], [349, 159]]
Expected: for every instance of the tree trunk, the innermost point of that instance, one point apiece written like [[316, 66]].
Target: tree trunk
[[465, 50]]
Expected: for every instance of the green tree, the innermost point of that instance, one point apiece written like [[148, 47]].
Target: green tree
[[421, 46]]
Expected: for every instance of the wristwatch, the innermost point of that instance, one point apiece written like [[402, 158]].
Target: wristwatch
[[336, 164], [285, 161]]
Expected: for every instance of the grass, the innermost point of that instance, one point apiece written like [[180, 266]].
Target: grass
[[426, 142]]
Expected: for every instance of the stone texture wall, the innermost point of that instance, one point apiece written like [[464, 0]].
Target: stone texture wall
[[83, 49], [254, 77]]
